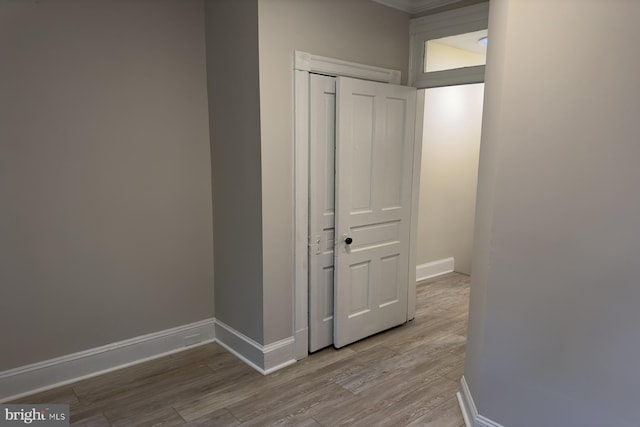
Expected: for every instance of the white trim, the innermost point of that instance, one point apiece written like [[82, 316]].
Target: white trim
[[450, 19], [301, 213], [264, 359], [278, 355], [336, 67], [417, 165], [25, 380], [301, 346], [435, 268], [37, 377], [468, 407], [415, 6], [456, 76], [463, 408], [246, 349], [305, 63], [458, 21]]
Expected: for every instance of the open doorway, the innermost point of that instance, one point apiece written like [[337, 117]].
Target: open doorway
[[449, 55], [448, 181]]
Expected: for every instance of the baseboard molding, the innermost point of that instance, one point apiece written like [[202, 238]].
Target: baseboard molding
[[41, 376], [302, 344], [467, 414], [469, 410], [278, 355], [243, 347], [263, 358], [434, 268]]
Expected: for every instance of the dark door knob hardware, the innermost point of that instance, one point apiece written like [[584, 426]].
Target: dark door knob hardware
[[348, 240]]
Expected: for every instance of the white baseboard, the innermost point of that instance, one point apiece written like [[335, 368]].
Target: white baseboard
[[467, 414], [243, 347], [469, 410], [264, 359], [37, 377], [278, 355], [434, 268], [302, 344], [41, 376]]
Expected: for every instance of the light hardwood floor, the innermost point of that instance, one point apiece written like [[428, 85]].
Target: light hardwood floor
[[406, 376]]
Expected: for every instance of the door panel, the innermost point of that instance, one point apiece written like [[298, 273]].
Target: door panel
[[374, 159], [321, 210], [361, 164]]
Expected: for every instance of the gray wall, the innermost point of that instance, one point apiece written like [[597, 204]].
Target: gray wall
[[105, 187], [553, 338], [353, 30], [234, 117]]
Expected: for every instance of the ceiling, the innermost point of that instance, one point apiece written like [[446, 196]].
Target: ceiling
[[468, 41], [416, 6]]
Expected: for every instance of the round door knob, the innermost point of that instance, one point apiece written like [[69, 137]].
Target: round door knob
[[348, 240]]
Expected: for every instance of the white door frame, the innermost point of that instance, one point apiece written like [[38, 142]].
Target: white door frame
[[305, 63], [450, 23]]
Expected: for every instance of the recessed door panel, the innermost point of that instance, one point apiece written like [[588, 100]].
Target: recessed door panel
[[391, 153], [359, 287], [327, 302], [362, 152], [389, 271]]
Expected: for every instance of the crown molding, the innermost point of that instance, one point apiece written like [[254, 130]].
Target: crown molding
[[415, 6]]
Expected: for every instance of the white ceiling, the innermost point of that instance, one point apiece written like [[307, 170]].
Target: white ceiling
[[415, 6], [469, 41]]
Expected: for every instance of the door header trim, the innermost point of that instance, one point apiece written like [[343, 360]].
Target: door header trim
[[304, 61]]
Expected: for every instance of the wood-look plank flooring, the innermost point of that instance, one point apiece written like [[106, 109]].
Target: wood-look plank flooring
[[406, 376]]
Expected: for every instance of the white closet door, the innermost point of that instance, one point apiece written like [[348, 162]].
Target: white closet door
[[322, 100], [375, 125]]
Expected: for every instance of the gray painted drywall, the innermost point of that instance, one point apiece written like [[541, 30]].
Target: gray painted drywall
[[553, 337], [354, 30], [105, 186], [234, 117]]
